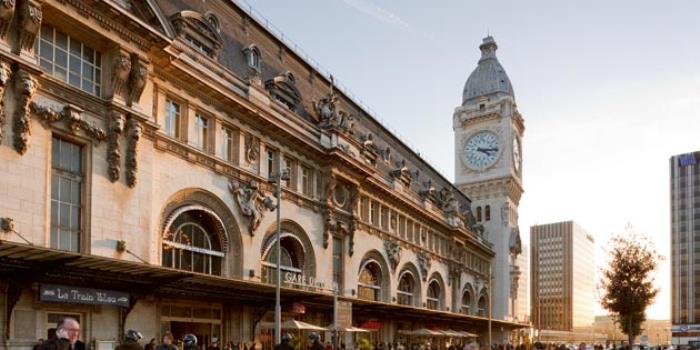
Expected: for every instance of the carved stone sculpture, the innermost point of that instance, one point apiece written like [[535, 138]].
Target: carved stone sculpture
[[133, 134], [72, 115], [252, 148], [137, 79], [7, 11], [330, 115], [393, 252], [116, 127], [514, 243], [423, 265], [25, 86], [4, 78], [386, 154], [250, 200], [429, 192], [370, 152], [451, 208], [29, 23], [402, 173], [351, 233], [121, 69], [331, 184]]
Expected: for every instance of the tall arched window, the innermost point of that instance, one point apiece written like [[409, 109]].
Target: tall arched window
[[483, 306], [487, 213], [369, 283], [434, 294], [190, 243], [407, 288], [478, 214], [466, 302], [291, 260]]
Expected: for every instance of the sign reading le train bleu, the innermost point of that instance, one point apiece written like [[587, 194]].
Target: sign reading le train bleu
[[66, 294]]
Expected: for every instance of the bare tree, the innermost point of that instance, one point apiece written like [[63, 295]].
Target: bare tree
[[627, 282]]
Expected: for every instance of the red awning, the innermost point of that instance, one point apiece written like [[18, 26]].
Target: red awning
[[371, 325]]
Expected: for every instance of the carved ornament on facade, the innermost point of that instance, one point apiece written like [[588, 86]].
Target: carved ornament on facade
[[250, 198], [133, 134], [331, 116], [393, 252], [283, 89], [137, 79], [514, 243], [455, 272], [116, 127], [402, 173], [423, 264], [428, 193], [7, 11], [252, 148], [4, 79], [121, 69], [370, 151], [451, 208], [25, 87], [72, 116], [29, 23]]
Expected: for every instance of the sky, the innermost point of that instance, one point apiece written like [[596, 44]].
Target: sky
[[608, 90]]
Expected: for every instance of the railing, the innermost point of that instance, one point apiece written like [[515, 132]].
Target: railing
[[276, 32]]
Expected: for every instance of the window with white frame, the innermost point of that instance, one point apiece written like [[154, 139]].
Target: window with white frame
[[69, 60], [201, 131], [407, 288], [227, 144], [190, 243], [434, 295], [306, 181], [66, 194], [172, 118]]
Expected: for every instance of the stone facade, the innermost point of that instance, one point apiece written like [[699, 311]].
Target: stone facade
[[183, 110]]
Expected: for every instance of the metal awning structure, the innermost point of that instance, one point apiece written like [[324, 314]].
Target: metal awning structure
[[23, 264]]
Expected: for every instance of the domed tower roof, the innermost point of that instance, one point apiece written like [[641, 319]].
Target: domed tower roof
[[489, 77]]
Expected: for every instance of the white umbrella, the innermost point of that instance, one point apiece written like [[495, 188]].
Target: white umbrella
[[294, 324]]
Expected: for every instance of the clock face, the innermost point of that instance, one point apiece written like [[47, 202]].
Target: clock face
[[481, 150], [517, 156]]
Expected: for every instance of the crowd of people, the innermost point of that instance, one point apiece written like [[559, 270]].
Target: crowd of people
[[67, 337]]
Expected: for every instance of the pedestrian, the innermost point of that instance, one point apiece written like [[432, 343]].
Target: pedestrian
[[167, 342], [315, 340], [285, 344], [190, 342], [151, 345], [131, 341], [67, 336], [329, 346]]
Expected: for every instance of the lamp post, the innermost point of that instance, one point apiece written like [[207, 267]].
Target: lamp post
[[490, 304], [277, 179]]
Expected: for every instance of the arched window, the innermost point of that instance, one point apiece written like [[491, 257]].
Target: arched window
[[466, 302], [483, 306], [478, 214], [407, 288], [369, 284], [253, 56], [487, 213], [434, 294], [190, 243], [291, 260]]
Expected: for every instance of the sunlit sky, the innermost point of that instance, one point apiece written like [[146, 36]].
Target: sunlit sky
[[608, 90]]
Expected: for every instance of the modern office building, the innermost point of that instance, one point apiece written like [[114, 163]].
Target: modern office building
[[563, 277], [685, 247], [522, 310]]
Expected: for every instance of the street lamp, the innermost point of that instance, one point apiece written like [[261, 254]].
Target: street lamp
[[277, 179]]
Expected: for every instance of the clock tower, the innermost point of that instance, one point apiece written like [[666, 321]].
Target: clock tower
[[488, 168]]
